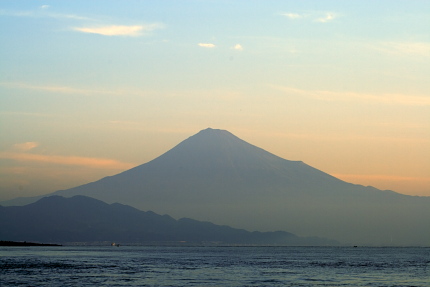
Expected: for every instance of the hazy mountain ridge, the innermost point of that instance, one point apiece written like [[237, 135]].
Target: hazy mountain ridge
[[84, 219], [215, 176]]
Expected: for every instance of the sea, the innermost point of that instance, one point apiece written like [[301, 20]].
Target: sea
[[214, 266]]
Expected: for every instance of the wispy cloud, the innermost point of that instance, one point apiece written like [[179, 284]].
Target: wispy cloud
[[44, 12], [206, 45], [316, 16], [102, 163], [293, 15], [48, 88], [25, 114], [238, 47], [385, 98], [69, 16], [113, 30], [25, 146], [68, 90], [119, 30], [403, 48], [11, 13], [328, 17], [23, 152]]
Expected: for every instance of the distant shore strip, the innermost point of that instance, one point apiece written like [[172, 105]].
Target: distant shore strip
[[25, 243]]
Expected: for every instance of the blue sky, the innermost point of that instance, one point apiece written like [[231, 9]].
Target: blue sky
[[90, 88]]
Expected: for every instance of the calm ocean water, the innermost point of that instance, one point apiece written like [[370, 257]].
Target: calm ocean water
[[213, 266]]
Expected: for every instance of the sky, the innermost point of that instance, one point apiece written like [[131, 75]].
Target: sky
[[92, 88]]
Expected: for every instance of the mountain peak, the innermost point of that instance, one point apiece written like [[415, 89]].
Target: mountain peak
[[214, 132], [215, 148]]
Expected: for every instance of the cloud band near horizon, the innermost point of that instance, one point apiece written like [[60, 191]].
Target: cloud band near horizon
[[101, 163]]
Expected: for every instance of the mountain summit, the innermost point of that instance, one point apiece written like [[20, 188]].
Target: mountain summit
[[215, 176]]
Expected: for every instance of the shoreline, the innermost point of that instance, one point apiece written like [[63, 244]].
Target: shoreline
[[25, 243]]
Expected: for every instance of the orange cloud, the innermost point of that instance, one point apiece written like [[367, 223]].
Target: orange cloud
[[102, 163], [25, 146]]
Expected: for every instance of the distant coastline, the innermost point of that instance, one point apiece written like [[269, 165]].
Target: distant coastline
[[25, 243]]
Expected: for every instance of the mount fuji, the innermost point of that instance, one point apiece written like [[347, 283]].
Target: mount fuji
[[215, 176]]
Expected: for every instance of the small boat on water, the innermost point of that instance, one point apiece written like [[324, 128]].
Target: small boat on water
[[115, 244]]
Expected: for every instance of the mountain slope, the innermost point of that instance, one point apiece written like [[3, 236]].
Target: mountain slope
[[84, 219], [215, 176]]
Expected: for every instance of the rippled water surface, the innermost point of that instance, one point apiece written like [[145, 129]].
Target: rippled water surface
[[213, 266]]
